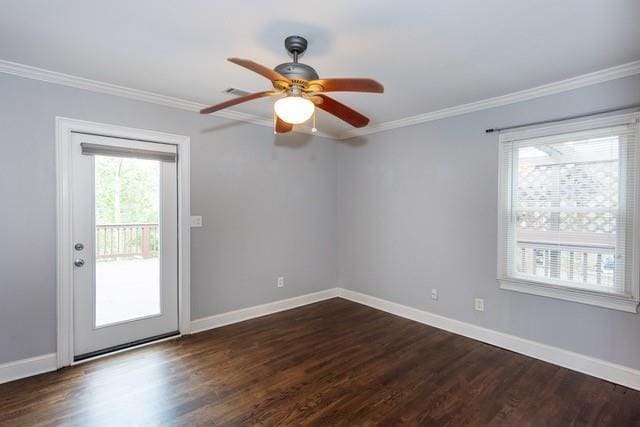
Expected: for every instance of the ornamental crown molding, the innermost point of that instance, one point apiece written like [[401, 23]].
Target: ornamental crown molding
[[596, 77]]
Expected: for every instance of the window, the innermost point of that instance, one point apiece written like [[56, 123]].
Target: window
[[568, 212]]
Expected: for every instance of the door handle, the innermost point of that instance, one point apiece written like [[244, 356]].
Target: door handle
[[78, 262]]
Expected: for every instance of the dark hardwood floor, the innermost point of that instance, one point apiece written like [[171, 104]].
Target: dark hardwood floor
[[330, 363]]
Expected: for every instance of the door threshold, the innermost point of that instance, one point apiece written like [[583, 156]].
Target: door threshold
[[125, 347]]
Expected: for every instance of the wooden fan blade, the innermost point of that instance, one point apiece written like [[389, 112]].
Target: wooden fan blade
[[342, 112], [267, 72], [282, 126], [345, 85], [236, 101], [315, 99]]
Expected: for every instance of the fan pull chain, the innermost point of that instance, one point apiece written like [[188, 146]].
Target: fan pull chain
[[314, 128], [275, 132]]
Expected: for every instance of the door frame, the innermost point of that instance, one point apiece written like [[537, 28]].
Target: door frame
[[64, 253]]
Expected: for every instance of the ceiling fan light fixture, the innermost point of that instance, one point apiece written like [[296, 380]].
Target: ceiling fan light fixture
[[294, 109]]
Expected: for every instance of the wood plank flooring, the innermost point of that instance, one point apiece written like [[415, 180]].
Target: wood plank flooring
[[331, 363]]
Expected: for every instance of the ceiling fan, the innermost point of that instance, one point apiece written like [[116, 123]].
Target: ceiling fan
[[302, 89]]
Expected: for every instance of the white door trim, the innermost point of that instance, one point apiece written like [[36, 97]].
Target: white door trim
[[64, 252]]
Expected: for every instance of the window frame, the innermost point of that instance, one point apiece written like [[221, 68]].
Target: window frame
[[628, 301]]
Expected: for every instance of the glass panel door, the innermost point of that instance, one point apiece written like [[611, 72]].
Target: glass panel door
[[127, 195], [125, 231]]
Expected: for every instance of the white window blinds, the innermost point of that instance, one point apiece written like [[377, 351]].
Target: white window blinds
[[568, 214], [166, 155]]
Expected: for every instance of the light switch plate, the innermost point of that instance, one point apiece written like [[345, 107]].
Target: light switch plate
[[196, 221]]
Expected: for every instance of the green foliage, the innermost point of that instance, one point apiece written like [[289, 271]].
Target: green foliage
[[127, 190]]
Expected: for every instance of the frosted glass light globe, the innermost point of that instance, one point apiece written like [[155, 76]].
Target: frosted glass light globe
[[294, 109]]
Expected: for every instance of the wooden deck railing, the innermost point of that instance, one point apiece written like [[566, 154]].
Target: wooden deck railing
[[584, 264], [126, 241], [588, 257]]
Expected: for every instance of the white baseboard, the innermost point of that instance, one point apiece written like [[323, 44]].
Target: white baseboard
[[27, 367], [235, 316], [48, 362], [608, 371]]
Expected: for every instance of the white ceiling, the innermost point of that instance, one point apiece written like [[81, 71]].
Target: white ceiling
[[429, 54]]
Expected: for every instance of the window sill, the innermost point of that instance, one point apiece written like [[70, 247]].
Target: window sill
[[614, 302]]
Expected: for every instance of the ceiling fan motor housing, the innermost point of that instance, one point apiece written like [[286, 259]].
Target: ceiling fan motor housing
[[297, 71]]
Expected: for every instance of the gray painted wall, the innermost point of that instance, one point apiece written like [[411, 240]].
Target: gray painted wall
[[406, 206], [268, 207], [415, 202]]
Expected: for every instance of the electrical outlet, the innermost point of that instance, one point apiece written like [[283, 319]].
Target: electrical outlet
[[434, 294], [479, 304], [281, 282], [196, 221]]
